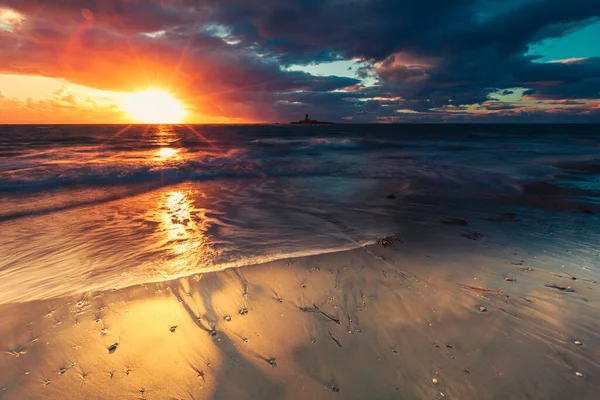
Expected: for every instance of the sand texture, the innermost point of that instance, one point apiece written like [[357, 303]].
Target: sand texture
[[464, 319]]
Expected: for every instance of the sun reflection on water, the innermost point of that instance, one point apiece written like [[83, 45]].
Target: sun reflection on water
[[184, 227], [167, 152]]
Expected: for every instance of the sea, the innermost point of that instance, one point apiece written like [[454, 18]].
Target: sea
[[99, 207]]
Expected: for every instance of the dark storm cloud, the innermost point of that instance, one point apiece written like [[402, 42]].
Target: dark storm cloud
[[427, 54]]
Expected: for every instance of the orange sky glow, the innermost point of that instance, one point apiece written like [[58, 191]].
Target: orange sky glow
[[39, 99], [100, 83]]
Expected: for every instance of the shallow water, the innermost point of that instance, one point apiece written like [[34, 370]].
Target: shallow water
[[87, 208]]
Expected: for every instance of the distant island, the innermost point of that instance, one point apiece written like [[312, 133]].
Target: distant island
[[307, 121]]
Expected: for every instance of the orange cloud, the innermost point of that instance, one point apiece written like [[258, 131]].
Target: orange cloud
[[61, 107]]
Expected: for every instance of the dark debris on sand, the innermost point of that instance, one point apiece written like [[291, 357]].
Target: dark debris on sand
[[112, 348], [388, 241], [568, 289]]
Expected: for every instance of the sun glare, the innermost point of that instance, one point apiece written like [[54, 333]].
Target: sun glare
[[153, 107]]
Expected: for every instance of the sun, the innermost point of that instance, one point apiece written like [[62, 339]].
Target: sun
[[153, 106]]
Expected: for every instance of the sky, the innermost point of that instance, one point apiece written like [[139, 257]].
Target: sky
[[258, 61]]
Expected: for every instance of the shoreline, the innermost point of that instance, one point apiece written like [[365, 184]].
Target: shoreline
[[169, 278]]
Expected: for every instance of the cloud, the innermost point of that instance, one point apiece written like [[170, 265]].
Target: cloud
[[225, 57]]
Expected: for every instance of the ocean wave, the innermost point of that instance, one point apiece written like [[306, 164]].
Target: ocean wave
[[35, 175], [63, 286], [330, 143]]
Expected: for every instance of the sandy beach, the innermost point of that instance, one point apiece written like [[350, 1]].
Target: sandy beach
[[466, 319]]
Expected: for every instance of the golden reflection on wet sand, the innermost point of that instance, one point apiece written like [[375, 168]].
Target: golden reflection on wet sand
[[184, 229]]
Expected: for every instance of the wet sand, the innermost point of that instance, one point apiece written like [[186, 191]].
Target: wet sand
[[437, 315]]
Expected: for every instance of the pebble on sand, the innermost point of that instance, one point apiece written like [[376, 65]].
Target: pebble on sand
[[434, 381], [112, 348], [509, 279], [482, 309], [173, 328], [578, 343], [579, 374]]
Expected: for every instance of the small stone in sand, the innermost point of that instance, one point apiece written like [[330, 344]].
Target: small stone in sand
[[482, 309], [272, 361], [579, 374], [112, 348], [509, 279], [228, 318], [434, 381], [578, 343], [173, 328], [212, 333], [335, 388], [243, 311]]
